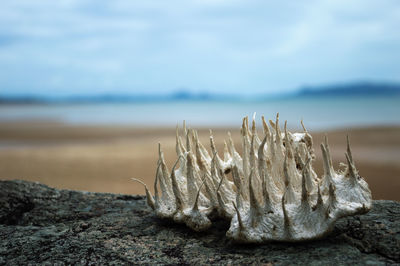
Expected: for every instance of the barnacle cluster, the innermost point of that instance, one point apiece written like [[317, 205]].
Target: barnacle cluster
[[269, 193]]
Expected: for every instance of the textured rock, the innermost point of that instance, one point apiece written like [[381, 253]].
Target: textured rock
[[42, 225]]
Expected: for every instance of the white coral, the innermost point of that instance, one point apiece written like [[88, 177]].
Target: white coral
[[274, 195]]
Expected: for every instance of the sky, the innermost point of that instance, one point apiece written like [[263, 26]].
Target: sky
[[73, 47]]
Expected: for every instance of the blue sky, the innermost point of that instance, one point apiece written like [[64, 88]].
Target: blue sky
[[240, 47]]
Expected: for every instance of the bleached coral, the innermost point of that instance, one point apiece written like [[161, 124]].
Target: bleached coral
[[270, 193]]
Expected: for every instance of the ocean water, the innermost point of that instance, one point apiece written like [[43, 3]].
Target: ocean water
[[317, 113]]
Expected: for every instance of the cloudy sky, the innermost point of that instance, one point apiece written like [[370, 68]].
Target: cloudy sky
[[130, 46]]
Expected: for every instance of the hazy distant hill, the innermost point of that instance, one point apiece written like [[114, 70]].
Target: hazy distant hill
[[349, 89], [352, 89], [117, 98]]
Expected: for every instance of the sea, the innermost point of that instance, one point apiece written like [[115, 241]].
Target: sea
[[318, 113]]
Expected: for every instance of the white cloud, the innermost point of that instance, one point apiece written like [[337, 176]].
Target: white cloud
[[213, 45]]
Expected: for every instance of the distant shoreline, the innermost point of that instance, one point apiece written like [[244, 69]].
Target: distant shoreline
[[324, 113], [355, 89], [171, 127]]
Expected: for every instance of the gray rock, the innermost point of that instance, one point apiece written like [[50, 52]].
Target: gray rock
[[42, 225]]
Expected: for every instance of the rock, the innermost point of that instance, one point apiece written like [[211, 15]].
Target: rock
[[42, 225]]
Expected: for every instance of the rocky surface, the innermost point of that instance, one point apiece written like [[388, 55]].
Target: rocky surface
[[42, 225]]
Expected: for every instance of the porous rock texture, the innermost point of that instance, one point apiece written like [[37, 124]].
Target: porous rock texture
[[42, 225]]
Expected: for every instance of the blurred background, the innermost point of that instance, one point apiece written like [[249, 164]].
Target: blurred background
[[89, 88]]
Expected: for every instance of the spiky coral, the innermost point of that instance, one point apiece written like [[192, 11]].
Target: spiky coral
[[274, 195]]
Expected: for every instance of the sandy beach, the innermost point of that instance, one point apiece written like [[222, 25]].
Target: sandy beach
[[103, 159]]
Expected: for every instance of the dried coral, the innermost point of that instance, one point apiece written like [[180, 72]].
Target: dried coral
[[274, 195]]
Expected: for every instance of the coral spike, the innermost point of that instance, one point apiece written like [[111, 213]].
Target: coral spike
[[348, 149], [188, 142], [231, 145], [196, 201], [160, 154], [253, 124], [227, 154], [190, 176], [242, 129], [304, 192], [261, 157], [211, 197], [277, 129], [212, 143], [164, 168], [241, 226], [175, 188], [184, 128], [328, 152], [272, 124], [320, 202], [285, 171], [247, 125], [158, 172], [220, 183], [327, 166], [236, 177], [331, 202], [267, 200], [177, 147], [252, 157], [286, 132], [149, 197], [352, 170], [285, 215], [200, 158], [254, 204], [304, 128], [265, 126]]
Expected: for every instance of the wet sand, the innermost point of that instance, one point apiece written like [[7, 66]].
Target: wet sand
[[103, 159]]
